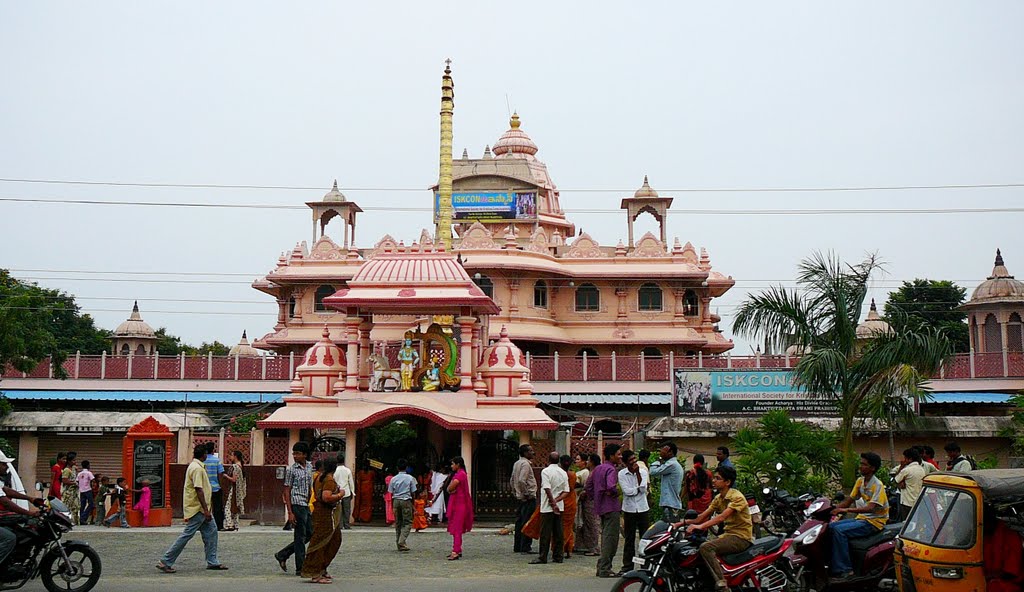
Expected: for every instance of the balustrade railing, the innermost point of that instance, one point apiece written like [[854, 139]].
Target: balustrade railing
[[611, 368]]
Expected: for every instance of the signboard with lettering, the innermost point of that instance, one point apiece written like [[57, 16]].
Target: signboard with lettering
[[491, 205], [742, 391], [149, 466]]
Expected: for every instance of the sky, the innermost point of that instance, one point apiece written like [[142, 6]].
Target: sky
[[699, 96]]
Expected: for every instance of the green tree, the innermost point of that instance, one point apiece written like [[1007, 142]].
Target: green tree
[[216, 348], [821, 318], [933, 304], [172, 345]]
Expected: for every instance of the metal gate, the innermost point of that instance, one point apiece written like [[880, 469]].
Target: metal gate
[[492, 473]]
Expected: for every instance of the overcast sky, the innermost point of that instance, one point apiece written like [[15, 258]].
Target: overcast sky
[[696, 95]]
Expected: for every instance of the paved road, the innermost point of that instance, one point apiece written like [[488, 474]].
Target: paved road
[[367, 561]]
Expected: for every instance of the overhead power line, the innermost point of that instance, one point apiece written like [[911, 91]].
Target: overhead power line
[[687, 211], [561, 189]]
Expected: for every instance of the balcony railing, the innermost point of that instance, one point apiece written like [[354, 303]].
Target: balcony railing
[[612, 368]]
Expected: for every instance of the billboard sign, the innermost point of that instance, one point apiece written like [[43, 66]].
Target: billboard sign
[[742, 391], [491, 205]]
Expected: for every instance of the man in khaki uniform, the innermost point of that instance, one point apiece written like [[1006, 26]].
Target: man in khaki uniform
[[198, 515], [729, 507]]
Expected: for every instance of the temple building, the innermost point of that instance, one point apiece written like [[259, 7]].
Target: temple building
[[994, 313], [134, 337]]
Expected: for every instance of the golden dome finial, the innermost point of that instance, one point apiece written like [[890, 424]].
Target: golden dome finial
[[514, 122]]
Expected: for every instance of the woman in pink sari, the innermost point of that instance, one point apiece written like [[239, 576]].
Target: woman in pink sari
[[145, 502], [460, 507]]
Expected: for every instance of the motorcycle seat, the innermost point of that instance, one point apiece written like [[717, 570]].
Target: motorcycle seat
[[887, 533], [761, 546]]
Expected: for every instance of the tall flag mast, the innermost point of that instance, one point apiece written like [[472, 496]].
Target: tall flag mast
[[443, 233]]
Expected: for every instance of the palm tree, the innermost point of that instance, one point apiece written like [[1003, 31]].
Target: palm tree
[[821, 318]]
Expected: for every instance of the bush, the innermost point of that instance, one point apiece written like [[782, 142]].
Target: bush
[[810, 457], [7, 447]]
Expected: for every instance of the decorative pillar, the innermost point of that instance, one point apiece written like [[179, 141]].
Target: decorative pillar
[[352, 355], [524, 437], [282, 312], [705, 309], [1006, 344], [350, 448], [513, 302], [185, 445], [293, 439], [621, 294], [364, 354], [679, 311], [257, 447], [467, 452], [28, 456], [468, 326]]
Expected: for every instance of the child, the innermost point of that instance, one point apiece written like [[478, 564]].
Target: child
[[102, 491], [419, 512], [118, 504], [145, 502]]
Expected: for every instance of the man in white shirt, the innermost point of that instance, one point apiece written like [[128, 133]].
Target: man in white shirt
[[554, 487], [343, 477], [910, 480], [633, 480]]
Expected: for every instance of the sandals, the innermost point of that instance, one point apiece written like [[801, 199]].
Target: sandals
[[218, 567], [165, 568], [322, 580], [454, 556]]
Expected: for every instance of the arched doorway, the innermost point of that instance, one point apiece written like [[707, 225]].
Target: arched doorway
[[492, 472]]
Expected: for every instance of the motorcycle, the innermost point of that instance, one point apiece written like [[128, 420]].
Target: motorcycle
[[808, 565], [783, 512], [68, 566], [667, 561]]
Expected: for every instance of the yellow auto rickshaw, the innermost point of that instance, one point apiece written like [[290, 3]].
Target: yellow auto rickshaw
[[964, 534]]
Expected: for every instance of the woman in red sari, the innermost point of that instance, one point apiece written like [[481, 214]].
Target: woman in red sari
[[364, 494], [697, 485], [460, 507]]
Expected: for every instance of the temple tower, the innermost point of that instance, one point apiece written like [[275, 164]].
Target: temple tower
[[444, 184]]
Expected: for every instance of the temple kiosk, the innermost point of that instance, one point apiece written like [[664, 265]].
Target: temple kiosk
[[443, 371], [147, 454]]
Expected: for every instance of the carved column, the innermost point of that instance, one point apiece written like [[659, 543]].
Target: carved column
[[352, 355], [705, 309], [513, 302], [364, 354], [282, 313], [679, 311], [621, 294], [468, 325]]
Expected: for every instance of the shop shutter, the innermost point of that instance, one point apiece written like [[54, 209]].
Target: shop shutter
[[103, 451]]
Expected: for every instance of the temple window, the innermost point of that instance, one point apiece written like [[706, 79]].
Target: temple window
[[141, 350], [588, 298], [1015, 334], [321, 293], [126, 349], [649, 297], [485, 284], [691, 304], [651, 352], [540, 294], [293, 307], [993, 335], [591, 352]]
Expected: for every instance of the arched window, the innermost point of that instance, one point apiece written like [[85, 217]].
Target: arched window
[[993, 335], [293, 307], [126, 349], [141, 350], [318, 299], [588, 298], [975, 344], [1014, 334], [485, 284], [651, 352], [591, 352], [649, 297], [691, 305], [540, 294]]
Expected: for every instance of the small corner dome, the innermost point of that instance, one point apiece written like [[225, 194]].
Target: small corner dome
[[334, 194], [645, 190], [503, 357], [135, 327], [514, 142], [323, 357], [243, 349], [873, 325], [1000, 285]]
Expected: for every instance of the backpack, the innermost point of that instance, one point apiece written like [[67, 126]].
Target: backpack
[[970, 459]]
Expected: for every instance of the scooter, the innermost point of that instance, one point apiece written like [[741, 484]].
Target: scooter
[[667, 560], [872, 556]]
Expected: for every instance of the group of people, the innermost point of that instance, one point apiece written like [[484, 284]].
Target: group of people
[[90, 497], [918, 462]]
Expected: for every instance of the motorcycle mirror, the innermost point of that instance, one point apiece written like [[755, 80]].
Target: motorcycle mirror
[[39, 486], [690, 514], [778, 466]]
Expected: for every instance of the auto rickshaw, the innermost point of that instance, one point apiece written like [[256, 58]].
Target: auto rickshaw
[[964, 534]]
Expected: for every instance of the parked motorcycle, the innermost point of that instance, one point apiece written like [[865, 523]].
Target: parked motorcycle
[[808, 565], [667, 560], [68, 566], [783, 512]]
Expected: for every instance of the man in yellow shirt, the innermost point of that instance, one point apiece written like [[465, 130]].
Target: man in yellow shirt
[[198, 516], [729, 506], [871, 516]]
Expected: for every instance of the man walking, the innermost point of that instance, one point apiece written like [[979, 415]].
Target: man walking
[[198, 517], [343, 477], [633, 481], [86, 500], [215, 471], [524, 486], [298, 481], [671, 472], [402, 489], [602, 487], [554, 487]]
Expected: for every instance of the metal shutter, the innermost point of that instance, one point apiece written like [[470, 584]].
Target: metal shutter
[[103, 451]]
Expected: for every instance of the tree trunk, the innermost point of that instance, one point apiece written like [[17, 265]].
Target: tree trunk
[[846, 447], [892, 444]]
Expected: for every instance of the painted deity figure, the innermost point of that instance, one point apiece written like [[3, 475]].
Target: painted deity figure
[[409, 358], [432, 378]]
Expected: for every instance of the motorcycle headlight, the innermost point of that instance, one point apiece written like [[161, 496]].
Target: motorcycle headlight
[[809, 536], [811, 509]]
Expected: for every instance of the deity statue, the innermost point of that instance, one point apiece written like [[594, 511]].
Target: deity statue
[[410, 359], [432, 378]]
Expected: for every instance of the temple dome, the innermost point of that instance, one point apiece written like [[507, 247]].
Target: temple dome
[[135, 327], [323, 357], [874, 325], [645, 190], [503, 368], [243, 348], [334, 194], [999, 286], [514, 141]]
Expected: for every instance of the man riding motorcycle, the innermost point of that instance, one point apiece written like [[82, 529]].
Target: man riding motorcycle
[[8, 506], [729, 506], [871, 516]]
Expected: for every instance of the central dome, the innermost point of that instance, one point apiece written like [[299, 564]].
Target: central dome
[[1000, 285], [135, 327], [514, 141]]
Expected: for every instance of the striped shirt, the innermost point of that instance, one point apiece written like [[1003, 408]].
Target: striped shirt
[[213, 470], [300, 479]]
